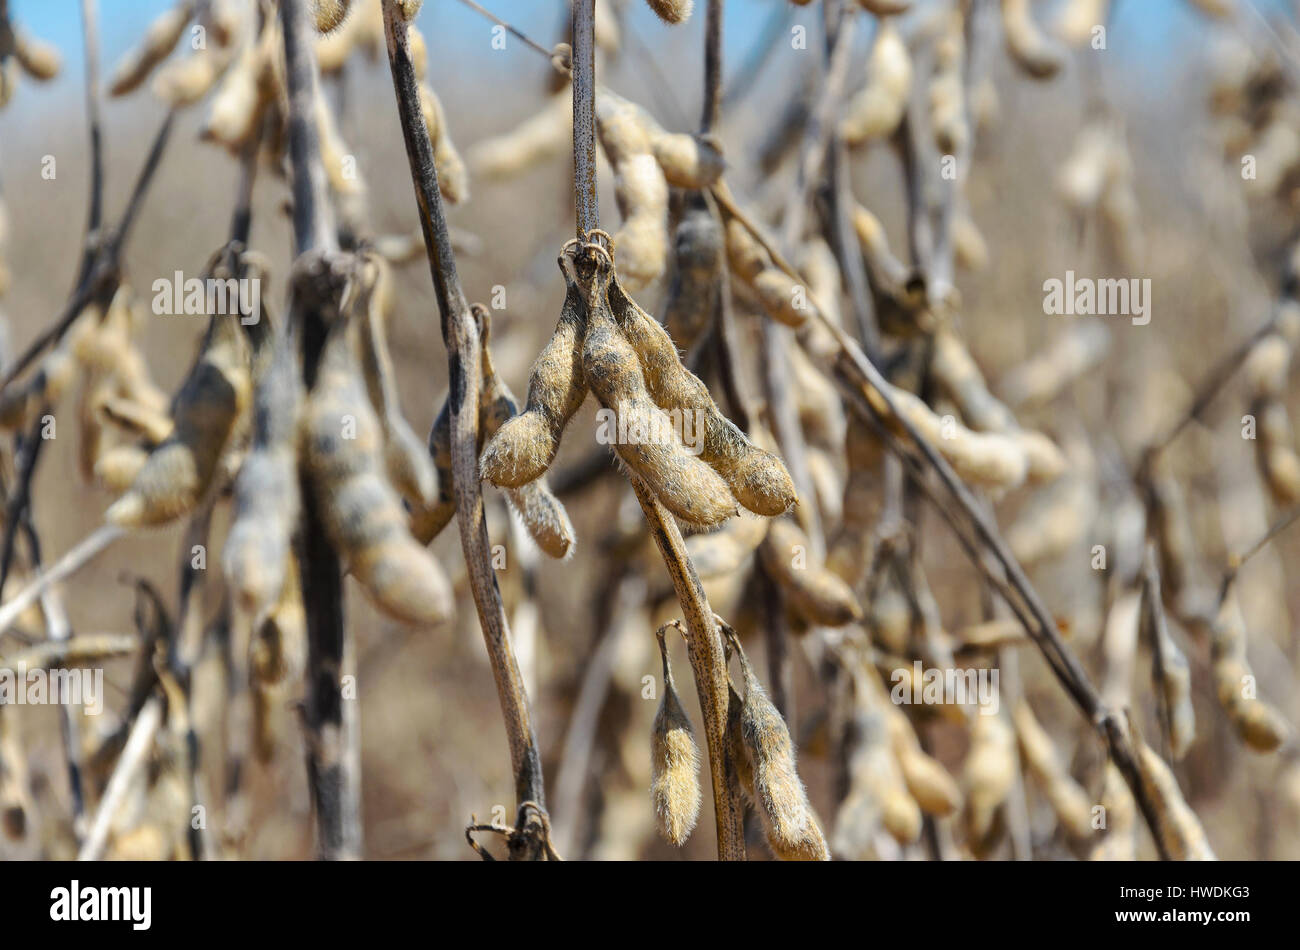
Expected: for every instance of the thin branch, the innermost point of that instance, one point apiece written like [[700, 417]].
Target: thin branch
[[460, 334]]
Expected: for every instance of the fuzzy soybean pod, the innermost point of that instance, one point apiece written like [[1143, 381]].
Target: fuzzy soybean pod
[[361, 512], [159, 40], [645, 438], [1178, 827], [1256, 722], [38, 59], [672, 11], [327, 15], [207, 410], [406, 458], [1039, 56], [877, 108], [427, 521], [779, 796], [817, 594], [277, 659], [542, 514], [697, 275], [1120, 840], [780, 297], [266, 490], [1070, 803], [757, 478], [989, 778], [927, 780], [722, 552], [640, 189], [525, 446], [674, 761]]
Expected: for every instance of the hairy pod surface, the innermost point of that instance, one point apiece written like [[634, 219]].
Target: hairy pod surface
[[525, 446], [361, 512], [788, 820], [674, 763]]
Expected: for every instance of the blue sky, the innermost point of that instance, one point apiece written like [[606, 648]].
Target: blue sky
[[1142, 28]]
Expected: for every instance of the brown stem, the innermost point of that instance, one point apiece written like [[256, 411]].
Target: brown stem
[[337, 829], [584, 115], [460, 334], [704, 646]]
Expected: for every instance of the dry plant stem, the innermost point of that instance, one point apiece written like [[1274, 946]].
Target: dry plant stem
[[132, 759], [704, 647], [863, 375], [584, 115], [101, 279], [90, 32], [338, 830], [1153, 627], [460, 334], [705, 642], [64, 567], [848, 249], [712, 66], [60, 631]]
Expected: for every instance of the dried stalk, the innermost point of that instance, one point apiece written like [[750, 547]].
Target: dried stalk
[[460, 334]]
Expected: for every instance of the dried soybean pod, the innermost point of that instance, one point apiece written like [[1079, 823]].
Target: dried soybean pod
[[328, 14], [688, 161], [674, 761], [117, 467], [19, 404], [818, 595], [885, 7], [736, 740], [267, 501], [645, 440], [1033, 51], [639, 187], [877, 108], [788, 820], [672, 11], [756, 477], [1256, 722], [239, 102], [1069, 802], [206, 410], [540, 511], [1120, 841], [159, 40], [525, 446], [453, 179], [428, 521], [277, 659], [989, 776], [697, 277], [850, 550], [407, 460], [927, 780], [724, 551], [361, 512], [38, 59], [1178, 827], [185, 81], [533, 141], [278, 653]]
